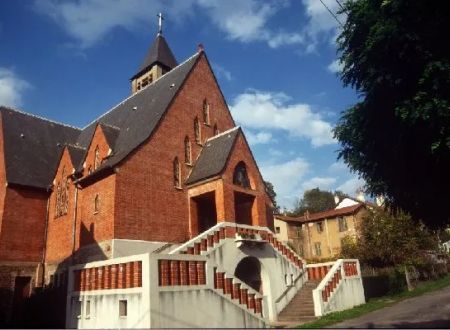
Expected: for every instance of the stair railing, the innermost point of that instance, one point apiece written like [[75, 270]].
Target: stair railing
[[340, 289]]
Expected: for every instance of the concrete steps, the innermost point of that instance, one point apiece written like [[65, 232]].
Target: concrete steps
[[301, 307]]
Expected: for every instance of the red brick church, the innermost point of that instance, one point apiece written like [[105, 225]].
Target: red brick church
[[163, 165]]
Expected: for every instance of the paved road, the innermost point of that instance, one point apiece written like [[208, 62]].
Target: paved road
[[431, 310]]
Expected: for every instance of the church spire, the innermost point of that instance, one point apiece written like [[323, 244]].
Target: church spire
[[157, 62]]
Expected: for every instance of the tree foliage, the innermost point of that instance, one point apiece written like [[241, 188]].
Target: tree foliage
[[272, 194], [388, 239], [314, 200], [397, 137]]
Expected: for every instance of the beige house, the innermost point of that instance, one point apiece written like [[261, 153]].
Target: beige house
[[319, 235]]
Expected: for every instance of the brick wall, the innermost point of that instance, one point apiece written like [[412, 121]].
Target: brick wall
[[59, 242], [148, 205]]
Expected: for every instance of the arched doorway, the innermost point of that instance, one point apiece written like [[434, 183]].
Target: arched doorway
[[248, 271]]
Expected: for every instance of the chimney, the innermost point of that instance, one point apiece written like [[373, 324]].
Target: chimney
[[360, 195], [336, 199]]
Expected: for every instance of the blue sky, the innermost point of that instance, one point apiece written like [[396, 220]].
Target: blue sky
[[70, 61]]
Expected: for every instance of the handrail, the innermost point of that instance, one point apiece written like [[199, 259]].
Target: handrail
[[285, 292], [212, 230]]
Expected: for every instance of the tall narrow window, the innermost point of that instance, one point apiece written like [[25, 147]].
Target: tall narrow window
[[97, 158], [187, 151], [198, 137], [216, 130], [96, 203], [123, 308], [205, 112], [176, 173], [58, 200]]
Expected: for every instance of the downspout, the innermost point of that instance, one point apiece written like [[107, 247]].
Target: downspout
[[44, 249], [74, 228], [328, 237]]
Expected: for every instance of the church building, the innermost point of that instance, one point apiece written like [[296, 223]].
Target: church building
[[161, 193]]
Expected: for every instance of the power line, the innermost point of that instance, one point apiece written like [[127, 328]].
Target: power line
[[332, 14], [340, 5]]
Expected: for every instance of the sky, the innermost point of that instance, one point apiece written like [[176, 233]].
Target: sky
[[276, 63]]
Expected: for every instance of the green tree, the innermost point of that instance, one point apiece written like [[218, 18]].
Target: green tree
[[314, 200], [273, 195], [397, 136], [388, 239]]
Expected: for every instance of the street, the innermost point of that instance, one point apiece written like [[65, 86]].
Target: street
[[432, 310]]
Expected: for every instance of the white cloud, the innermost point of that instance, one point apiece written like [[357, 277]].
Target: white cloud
[[323, 183], [351, 185], [11, 88], [338, 166], [258, 138], [286, 179], [246, 21], [321, 24], [89, 21], [267, 110], [335, 66], [221, 72]]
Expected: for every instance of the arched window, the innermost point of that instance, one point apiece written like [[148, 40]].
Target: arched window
[[97, 158], [96, 203], [176, 173], [187, 151], [66, 196], [205, 109], [58, 200], [198, 137], [216, 130], [240, 176]]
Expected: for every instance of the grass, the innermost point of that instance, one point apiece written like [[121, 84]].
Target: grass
[[376, 303]]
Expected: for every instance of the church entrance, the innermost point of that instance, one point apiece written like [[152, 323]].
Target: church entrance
[[248, 271], [206, 211], [243, 204]]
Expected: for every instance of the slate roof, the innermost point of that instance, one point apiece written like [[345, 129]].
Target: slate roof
[[32, 147], [33, 159], [333, 213], [214, 156], [160, 53]]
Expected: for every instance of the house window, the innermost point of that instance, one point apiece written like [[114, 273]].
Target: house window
[[319, 226], [96, 204], [216, 130], [342, 224], [187, 151], [299, 231], [97, 158], [176, 173], [205, 112], [198, 137], [123, 308], [317, 249], [277, 230], [240, 176], [88, 309]]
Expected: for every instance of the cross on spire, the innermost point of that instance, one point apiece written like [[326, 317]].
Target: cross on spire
[[160, 19]]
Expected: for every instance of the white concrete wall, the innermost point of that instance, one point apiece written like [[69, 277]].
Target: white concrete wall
[[348, 293], [104, 304], [276, 272], [200, 309]]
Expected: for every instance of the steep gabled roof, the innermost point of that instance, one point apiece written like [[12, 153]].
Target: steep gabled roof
[[32, 147], [136, 117], [159, 53], [214, 156]]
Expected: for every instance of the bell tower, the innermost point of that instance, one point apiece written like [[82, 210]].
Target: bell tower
[[157, 62]]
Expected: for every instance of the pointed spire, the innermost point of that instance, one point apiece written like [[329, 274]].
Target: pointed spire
[[159, 53]]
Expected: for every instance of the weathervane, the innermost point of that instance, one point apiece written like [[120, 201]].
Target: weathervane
[[160, 19]]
